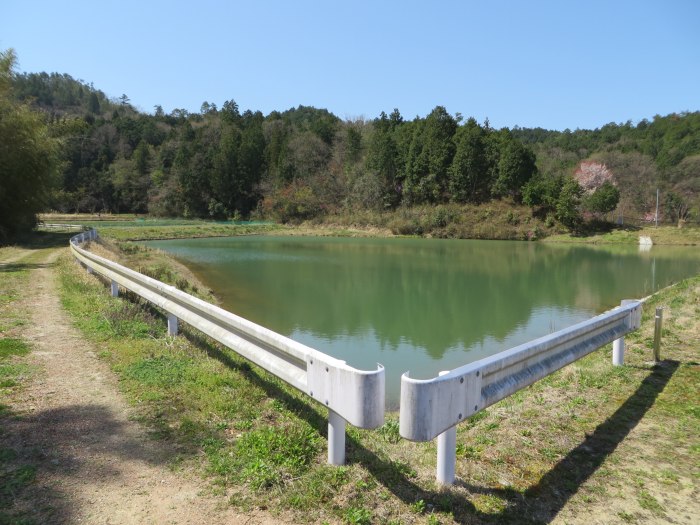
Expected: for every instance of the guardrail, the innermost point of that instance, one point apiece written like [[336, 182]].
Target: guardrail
[[69, 227], [351, 395], [429, 408], [433, 407]]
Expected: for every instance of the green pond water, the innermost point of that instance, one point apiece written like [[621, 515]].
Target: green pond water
[[422, 305]]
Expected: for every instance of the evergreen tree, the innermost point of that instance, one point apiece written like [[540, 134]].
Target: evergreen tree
[[567, 208], [469, 173], [382, 160], [226, 177], [516, 165], [430, 157], [603, 200], [94, 103], [251, 163]]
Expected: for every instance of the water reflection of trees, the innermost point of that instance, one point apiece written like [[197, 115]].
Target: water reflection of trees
[[432, 294]]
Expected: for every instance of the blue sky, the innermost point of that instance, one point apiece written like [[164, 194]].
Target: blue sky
[[553, 64]]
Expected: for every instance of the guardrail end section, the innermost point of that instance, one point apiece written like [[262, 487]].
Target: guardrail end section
[[356, 395], [635, 308], [431, 406]]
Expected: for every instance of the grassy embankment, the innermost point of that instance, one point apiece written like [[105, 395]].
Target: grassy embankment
[[157, 229], [569, 445], [663, 235], [495, 220]]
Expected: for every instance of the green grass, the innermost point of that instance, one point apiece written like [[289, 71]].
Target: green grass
[[554, 448], [13, 374], [179, 231], [13, 480], [11, 346], [358, 516], [666, 235], [265, 457], [160, 371], [647, 501], [16, 476]]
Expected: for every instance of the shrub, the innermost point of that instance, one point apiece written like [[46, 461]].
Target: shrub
[[293, 203]]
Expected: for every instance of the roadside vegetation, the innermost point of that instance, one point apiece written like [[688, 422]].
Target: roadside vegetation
[[565, 447], [16, 369], [12, 317]]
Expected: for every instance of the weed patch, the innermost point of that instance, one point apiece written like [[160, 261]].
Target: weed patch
[[268, 456], [12, 482], [389, 431], [11, 346], [358, 516], [12, 374], [159, 371], [130, 320]]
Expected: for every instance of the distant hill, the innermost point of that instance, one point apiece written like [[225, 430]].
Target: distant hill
[[305, 162]]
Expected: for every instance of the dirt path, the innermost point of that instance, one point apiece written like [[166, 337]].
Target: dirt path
[[94, 465]]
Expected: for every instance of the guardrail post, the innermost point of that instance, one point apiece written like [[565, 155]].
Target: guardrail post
[[336, 439], [89, 269], [447, 456], [115, 289], [172, 325], [446, 453], [618, 357], [658, 320]]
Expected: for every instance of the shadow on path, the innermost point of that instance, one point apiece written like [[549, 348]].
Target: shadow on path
[[42, 239], [44, 452], [20, 266]]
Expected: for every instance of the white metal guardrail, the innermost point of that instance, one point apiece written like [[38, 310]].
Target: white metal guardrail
[[433, 407], [351, 395], [69, 227]]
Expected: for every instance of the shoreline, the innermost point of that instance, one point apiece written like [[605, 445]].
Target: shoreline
[[478, 224]]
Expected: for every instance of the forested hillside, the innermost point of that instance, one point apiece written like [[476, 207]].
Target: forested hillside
[[305, 162], [663, 153]]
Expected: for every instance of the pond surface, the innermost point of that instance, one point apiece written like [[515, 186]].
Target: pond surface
[[423, 305]]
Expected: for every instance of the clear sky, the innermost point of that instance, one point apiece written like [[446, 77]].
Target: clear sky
[[554, 64]]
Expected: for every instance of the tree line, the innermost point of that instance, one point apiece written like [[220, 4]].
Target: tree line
[[222, 163], [295, 164]]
